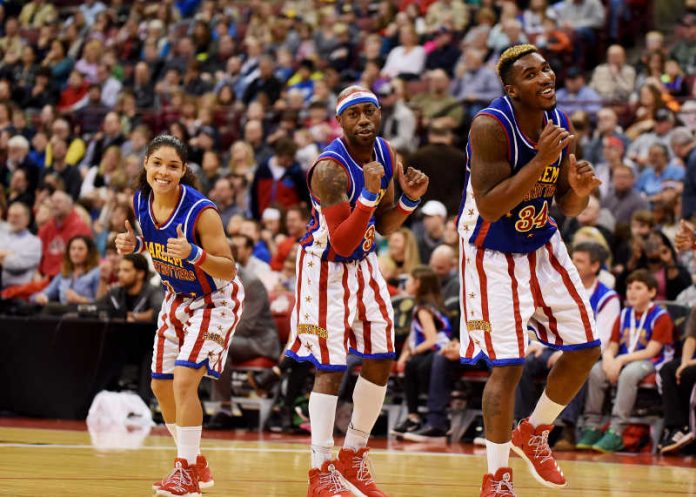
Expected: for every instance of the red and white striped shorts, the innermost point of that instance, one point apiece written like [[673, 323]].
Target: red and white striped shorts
[[503, 295], [196, 331], [340, 307]]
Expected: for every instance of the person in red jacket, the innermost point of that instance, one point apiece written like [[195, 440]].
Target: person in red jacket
[[56, 233]]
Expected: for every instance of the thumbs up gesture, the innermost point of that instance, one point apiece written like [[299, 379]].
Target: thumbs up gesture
[[125, 242], [685, 237], [179, 247]]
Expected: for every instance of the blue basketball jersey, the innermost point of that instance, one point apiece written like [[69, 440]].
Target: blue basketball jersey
[[601, 295], [442, 325], [527, 226], [316, 239], [178, 276]]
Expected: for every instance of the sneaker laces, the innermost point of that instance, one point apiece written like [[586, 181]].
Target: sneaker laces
[[332, 481], [363, 469], [503, 488], [179, 478], [540, 443]]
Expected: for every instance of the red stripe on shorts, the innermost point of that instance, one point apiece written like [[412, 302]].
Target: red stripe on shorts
[[539, 302], [323, 301], [178, 325], [347, 333], [205, 322], [228, 335], [362, 314], [298, 289], [568, 282], [382, 308], [462, 298], [516, 305], [483, 283], [159, 336]]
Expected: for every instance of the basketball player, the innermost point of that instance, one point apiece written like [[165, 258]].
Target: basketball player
[[515, 270], [342, 302], [183, 233]]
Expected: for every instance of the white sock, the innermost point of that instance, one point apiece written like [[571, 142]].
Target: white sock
[[322, 416], [498, 455], [188, 442], [367, 404], [545, 412], [171, 427]]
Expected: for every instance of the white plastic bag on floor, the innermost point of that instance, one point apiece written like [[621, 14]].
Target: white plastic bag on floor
[[118, 420]]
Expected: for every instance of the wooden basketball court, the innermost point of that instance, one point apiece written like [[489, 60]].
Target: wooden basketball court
[[59, 462]]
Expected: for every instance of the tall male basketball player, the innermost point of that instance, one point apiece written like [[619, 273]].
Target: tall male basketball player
[[515, 270], [342, 301]]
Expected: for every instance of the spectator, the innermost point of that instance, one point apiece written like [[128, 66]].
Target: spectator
[[582, 19], [443, 53], [659, 174], [398, 120], [109, 173], [110, 86], [607, 125], [406, 60], [111, 134], [432, 158], [78, 280], [76, 146], [21, 250], [36, 13], [134, 298], [684, 146], [19, 189], [437, 104], [678, 379], [641, 342], [255, 336], [431, 230], [69, 175], [279, 181], [476, 84], [18, 158], [576, 95], [266, 85], [254, 136], [614, 80], [658, 130], [58, 62], [443, 260], [296, 220], [684, 51], [55, 234], [243, 251], [623, 199], [430, 332], [401, 256], [74, 92], [454, 13]]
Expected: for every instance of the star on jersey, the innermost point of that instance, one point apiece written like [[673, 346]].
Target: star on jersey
[[311, 263], [472, 295], [306, 316], [308, 299], [471, 212]]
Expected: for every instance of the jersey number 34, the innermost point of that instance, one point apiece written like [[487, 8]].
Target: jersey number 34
[[529, 218]]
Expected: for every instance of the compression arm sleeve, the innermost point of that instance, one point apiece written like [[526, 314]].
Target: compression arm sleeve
[[346, 228]]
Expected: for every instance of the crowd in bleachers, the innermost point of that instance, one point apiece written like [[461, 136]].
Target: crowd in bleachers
[[251, 87]]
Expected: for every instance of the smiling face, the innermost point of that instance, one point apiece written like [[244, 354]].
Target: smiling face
[[533, 82], [164, 170], [360, 123]]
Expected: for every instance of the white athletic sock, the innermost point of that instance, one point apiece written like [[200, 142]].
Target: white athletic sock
[[188, 442], [367, 404], [498, 455], [322, 416], [171, 427], [545, 412]]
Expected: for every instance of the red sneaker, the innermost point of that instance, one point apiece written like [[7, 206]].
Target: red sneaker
[[498, 485], [205, 476], [532, 445], [355, 468], [181, 482], [327, 482]]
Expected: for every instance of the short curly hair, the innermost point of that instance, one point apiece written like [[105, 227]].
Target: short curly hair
[[509, 57]]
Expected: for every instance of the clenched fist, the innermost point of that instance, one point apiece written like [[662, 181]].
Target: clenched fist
[[373, 172]]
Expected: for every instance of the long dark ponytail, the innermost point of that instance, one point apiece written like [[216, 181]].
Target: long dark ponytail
[[181, 150]]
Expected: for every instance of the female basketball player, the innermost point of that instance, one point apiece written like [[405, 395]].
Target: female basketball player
[[182, 231]]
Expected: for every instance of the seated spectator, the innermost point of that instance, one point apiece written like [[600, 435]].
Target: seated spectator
[[64, 224], [678, 379], [78, 280], [582, 19], [100, 178], [296, 219], [401, 256], [443, 260], [21, 250], [641, 342], [255, 336], [74, 91], [623, 199], [475, 83], [279, 181], [110, 134], [430, 231], [576, 95], [684, 51], [607, 125], [430, 332], [19, 188], [555, 45], [243, 250], [398, 120], [76, 146], [69, 175], [133, 298], [18, 158], [659, 174], [683, 144], [437, 105], [442, 52], [614, 80], [406, 60]]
